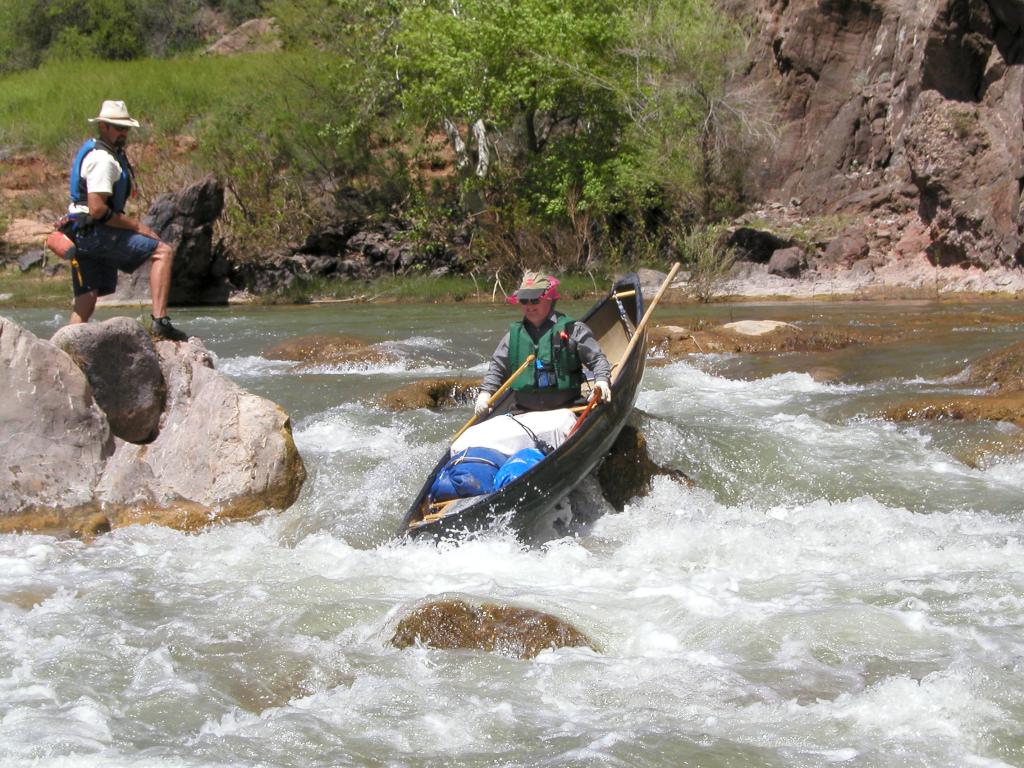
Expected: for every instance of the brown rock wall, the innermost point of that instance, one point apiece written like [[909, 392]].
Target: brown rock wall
[[899, 106]]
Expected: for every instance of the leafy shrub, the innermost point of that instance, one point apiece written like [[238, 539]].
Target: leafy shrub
[[704, 251]]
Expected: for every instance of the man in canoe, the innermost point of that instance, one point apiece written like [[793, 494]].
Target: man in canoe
[[561, 346]]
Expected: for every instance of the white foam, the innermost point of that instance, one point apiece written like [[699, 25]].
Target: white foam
[[252, 366], [838, 591]]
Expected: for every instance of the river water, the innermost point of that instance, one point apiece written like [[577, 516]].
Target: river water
[[834, 590]]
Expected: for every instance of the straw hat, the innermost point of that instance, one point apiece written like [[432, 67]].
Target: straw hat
[[115, 113]]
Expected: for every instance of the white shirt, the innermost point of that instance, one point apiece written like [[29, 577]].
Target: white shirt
[[101, 171]]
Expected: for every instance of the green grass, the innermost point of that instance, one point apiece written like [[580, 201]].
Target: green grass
[[47, 109]]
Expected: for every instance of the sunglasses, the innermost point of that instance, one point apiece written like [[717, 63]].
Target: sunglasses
[[530, 301]]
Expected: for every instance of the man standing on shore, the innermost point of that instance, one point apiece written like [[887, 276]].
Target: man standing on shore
[[106, 239]]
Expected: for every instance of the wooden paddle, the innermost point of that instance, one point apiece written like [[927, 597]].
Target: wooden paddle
[[594, 400], [494, 398]]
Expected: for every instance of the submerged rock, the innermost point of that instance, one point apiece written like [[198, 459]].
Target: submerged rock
[[520, 633], [997, 407], [752, 336], [627, 471], [327, 349], [431, 393], [1001, 370]]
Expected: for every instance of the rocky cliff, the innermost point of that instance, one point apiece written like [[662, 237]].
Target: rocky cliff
[[903, 120]]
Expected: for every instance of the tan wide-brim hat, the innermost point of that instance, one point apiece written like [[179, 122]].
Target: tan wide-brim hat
[[115, 113]]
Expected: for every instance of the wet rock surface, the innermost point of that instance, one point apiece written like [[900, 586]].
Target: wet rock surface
[[327, 349], [519, 633], [671, 342], [431, 393], [998, 407], [628, 470], [1002, 371]]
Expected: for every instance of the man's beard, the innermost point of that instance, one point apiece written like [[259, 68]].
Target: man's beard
[[121, 142]]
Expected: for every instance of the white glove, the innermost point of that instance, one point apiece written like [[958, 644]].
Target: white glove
[[482, 405], [605, 389]]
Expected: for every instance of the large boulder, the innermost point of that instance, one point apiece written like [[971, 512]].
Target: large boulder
[[120, 362], [54, 438], [849, 246], [756, 245], [220, 452], [185, 221], [521, 633], [219, 448], [787, 262]]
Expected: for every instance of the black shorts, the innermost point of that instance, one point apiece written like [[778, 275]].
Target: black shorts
[[102, 251]]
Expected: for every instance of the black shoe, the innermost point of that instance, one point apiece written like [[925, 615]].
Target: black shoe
[[162, 329]]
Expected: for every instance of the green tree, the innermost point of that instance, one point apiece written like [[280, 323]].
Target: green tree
[[23, 34], [33, 31], [532, 83], [694, 127]]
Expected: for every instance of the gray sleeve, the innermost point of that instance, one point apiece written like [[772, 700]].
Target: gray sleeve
[[497, 371], [590, 352]]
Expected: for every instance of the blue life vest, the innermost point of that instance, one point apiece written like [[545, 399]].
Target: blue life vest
[[468, 473], [519, 463], [122, 187]]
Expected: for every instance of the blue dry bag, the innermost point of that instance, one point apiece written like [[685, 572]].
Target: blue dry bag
[[518, 464], [469, 473]]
